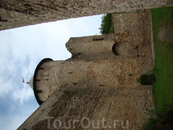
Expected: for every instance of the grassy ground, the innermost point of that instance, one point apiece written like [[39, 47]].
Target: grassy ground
[[162, 18], [163, 88]]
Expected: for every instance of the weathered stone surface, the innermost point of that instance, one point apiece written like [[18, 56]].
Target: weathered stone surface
[[98, 83], [133, 32], [130, 106], [17, 13], [71, 75]]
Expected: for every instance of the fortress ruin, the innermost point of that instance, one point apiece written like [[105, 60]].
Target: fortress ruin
[[99, 80]]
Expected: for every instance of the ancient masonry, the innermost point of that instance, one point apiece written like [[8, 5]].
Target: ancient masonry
[[99, 80], [17, 13]]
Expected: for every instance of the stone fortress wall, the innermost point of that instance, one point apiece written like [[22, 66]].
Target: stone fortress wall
[[133, 32], [93, 66], [99, 80], [18, 13]]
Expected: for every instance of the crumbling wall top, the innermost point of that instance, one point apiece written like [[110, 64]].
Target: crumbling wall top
[[17, 13]]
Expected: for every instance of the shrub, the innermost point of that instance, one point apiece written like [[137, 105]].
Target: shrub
[[107, 25], [147, 79]]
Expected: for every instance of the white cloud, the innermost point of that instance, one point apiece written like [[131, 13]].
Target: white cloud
[[20, 52], [22, 93]]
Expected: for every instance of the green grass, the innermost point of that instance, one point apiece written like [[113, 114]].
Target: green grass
[[163, 87]]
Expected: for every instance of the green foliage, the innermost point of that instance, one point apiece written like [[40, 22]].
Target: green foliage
[[107, 25], [147, 79], [163, 87], [163, 122], [151, 120], [149, 124]]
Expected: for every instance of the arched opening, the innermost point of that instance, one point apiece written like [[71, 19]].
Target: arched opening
[[114, 48]]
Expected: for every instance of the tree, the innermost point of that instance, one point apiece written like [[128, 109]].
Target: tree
[[107, 25]]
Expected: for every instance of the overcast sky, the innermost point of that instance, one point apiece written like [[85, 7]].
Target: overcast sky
[[21, 49]]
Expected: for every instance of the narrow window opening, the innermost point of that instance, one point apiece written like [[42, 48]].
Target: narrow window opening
[[39, 91], [70, 72], [41, 102], [130, 74], [74, 83], [101, 85], [3, 20], [98, 39], [137, 51]]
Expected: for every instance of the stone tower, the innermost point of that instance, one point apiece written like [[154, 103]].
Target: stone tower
[[99, 81], [97, 87], [97, 63]]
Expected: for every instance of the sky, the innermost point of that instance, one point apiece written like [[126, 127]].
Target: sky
[[21, 49]]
